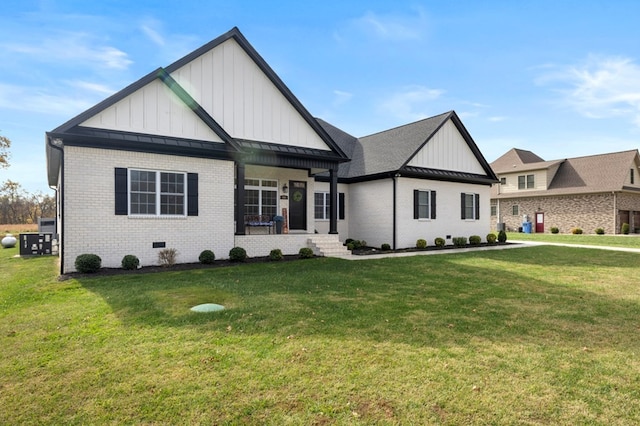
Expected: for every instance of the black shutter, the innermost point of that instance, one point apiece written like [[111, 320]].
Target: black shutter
[[121, 207], [192, 194], [477, 206], [462, 206], [433, 204], [341, 205], [416, 204]]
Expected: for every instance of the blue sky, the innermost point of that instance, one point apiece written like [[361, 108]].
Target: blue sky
[[559, 78]]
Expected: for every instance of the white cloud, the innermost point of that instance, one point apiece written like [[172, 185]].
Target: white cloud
[[149, 28], [43, 101], [70, 48], [601, 87], [496, 119], [391, 27], [92, 87], [341, 97], [411, 103]]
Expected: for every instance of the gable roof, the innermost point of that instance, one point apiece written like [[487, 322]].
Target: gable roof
[[71, 130], [514, 158], [389, 152], [588, 174]]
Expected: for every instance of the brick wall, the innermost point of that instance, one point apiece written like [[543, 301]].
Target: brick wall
[[588, 211]]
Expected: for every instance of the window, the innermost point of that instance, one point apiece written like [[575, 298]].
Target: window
[[526, 182], [470, 206], [494, 209], [515, 210], [322, 205], [156, 193], [631, 176], [424, 204], [261, 197], [503, 181]]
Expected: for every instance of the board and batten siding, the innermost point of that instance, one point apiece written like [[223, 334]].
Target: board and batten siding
[[229, 85], [92, 227], [153, 109], [447, 150]]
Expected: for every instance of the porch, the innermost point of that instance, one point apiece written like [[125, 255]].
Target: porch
[[327, 245]]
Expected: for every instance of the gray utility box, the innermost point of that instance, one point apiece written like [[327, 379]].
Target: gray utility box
[[35, 244], [46, 225]]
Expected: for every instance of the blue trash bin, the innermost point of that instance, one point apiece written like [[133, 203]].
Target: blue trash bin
[[526, 227]]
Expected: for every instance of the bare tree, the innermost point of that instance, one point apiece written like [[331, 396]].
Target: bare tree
[[5, 144]]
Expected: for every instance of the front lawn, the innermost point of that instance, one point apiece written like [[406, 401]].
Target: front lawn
[[629, 241], [539, 335]]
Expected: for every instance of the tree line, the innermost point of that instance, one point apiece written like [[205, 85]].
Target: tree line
[[18, 206]]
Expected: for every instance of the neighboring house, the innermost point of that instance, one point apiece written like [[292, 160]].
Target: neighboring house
[[598, 191], [157, 165]]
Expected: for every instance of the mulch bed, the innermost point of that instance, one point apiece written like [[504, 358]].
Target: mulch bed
[[372, 250]]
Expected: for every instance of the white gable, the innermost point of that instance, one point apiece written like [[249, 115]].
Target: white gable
[[229, 85], [447, 150], [153, 109]]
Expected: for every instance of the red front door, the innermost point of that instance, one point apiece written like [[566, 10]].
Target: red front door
[[539, 223]]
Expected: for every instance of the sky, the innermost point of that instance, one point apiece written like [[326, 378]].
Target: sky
[[559, 78]]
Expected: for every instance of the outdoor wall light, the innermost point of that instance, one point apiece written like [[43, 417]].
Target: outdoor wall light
[[285, 188]]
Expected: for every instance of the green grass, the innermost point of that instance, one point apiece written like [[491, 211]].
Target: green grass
[[629, 241], [538, 335]]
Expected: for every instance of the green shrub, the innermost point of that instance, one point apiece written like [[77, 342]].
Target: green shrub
[[475, 240], [237, 254], [421, 243], [305, 253], [385, 247], [348, 240], [554, 230], [625, 228], [491, 238], [576, 231], [167, 257], [502, 237], [88, 263], [599, 231], [439, 242], [130, 262], [207, 257], [459, 241], [276, 254], [350, 246]]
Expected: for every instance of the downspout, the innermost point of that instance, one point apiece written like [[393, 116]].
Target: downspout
[[57, 144], [615, 212], [395, 191]]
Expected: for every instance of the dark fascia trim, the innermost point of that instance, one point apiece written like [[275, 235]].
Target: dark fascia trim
[[291, 162], [122, 141], [188, 100], [423, 174], [235, 34], [133, 87], [253, 148], [630, 189]]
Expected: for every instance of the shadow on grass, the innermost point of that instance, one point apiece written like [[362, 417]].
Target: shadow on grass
[[422, 300]]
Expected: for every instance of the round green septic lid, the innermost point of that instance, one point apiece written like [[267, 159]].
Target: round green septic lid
[[207, 307]]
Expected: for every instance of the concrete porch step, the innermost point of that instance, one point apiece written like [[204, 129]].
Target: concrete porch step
[[327, 245]]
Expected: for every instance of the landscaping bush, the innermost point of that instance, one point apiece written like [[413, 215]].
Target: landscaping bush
[[88, 263], [625, 228], [554, 230], [385, 247], [305, 253], [350, 246], [459, 241], [207, 257], [576, 231], [167, 257], [421, 243], [276, 254], [502, 237], [599, 231], [348, 240], [130, 262], [491, 238], [439, 242], [475, 240], [237, 254]]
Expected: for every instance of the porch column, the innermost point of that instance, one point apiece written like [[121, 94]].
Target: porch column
[[239, 198], [333, 203]]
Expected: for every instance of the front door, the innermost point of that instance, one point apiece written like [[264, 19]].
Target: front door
[[297, 205], [539, 223]]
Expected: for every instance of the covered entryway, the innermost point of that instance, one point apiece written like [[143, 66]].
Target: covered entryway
[[623, 217], [539, 223], [298, 205]]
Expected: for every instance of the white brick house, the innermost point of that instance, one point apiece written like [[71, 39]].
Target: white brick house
[[157, 165]]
